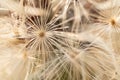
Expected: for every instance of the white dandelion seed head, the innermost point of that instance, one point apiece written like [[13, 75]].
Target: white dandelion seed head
[[83, 60], [59, 39]]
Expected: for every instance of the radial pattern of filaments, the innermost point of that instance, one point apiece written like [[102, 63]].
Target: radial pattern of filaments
[[83, 60], [59, 40], [109, 16], [108, 22], [43, 34]]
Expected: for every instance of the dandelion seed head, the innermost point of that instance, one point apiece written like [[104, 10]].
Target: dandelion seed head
[[44, 40], [80, 63]]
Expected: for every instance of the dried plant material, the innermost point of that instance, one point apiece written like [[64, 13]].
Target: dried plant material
[[59, 40], [82, 60], [108, 20]]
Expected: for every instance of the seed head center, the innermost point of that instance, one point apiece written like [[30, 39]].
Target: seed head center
[[112, 22], [41, 34]]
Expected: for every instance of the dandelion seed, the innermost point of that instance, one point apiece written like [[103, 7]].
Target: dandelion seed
[[43, 33], [80, 63], [109, 22], [59, 39]]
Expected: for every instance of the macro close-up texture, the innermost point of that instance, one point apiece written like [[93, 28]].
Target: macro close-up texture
[[59, 39]]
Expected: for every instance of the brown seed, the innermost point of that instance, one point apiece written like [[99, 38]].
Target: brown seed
[[113, 22], [41, 34]]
